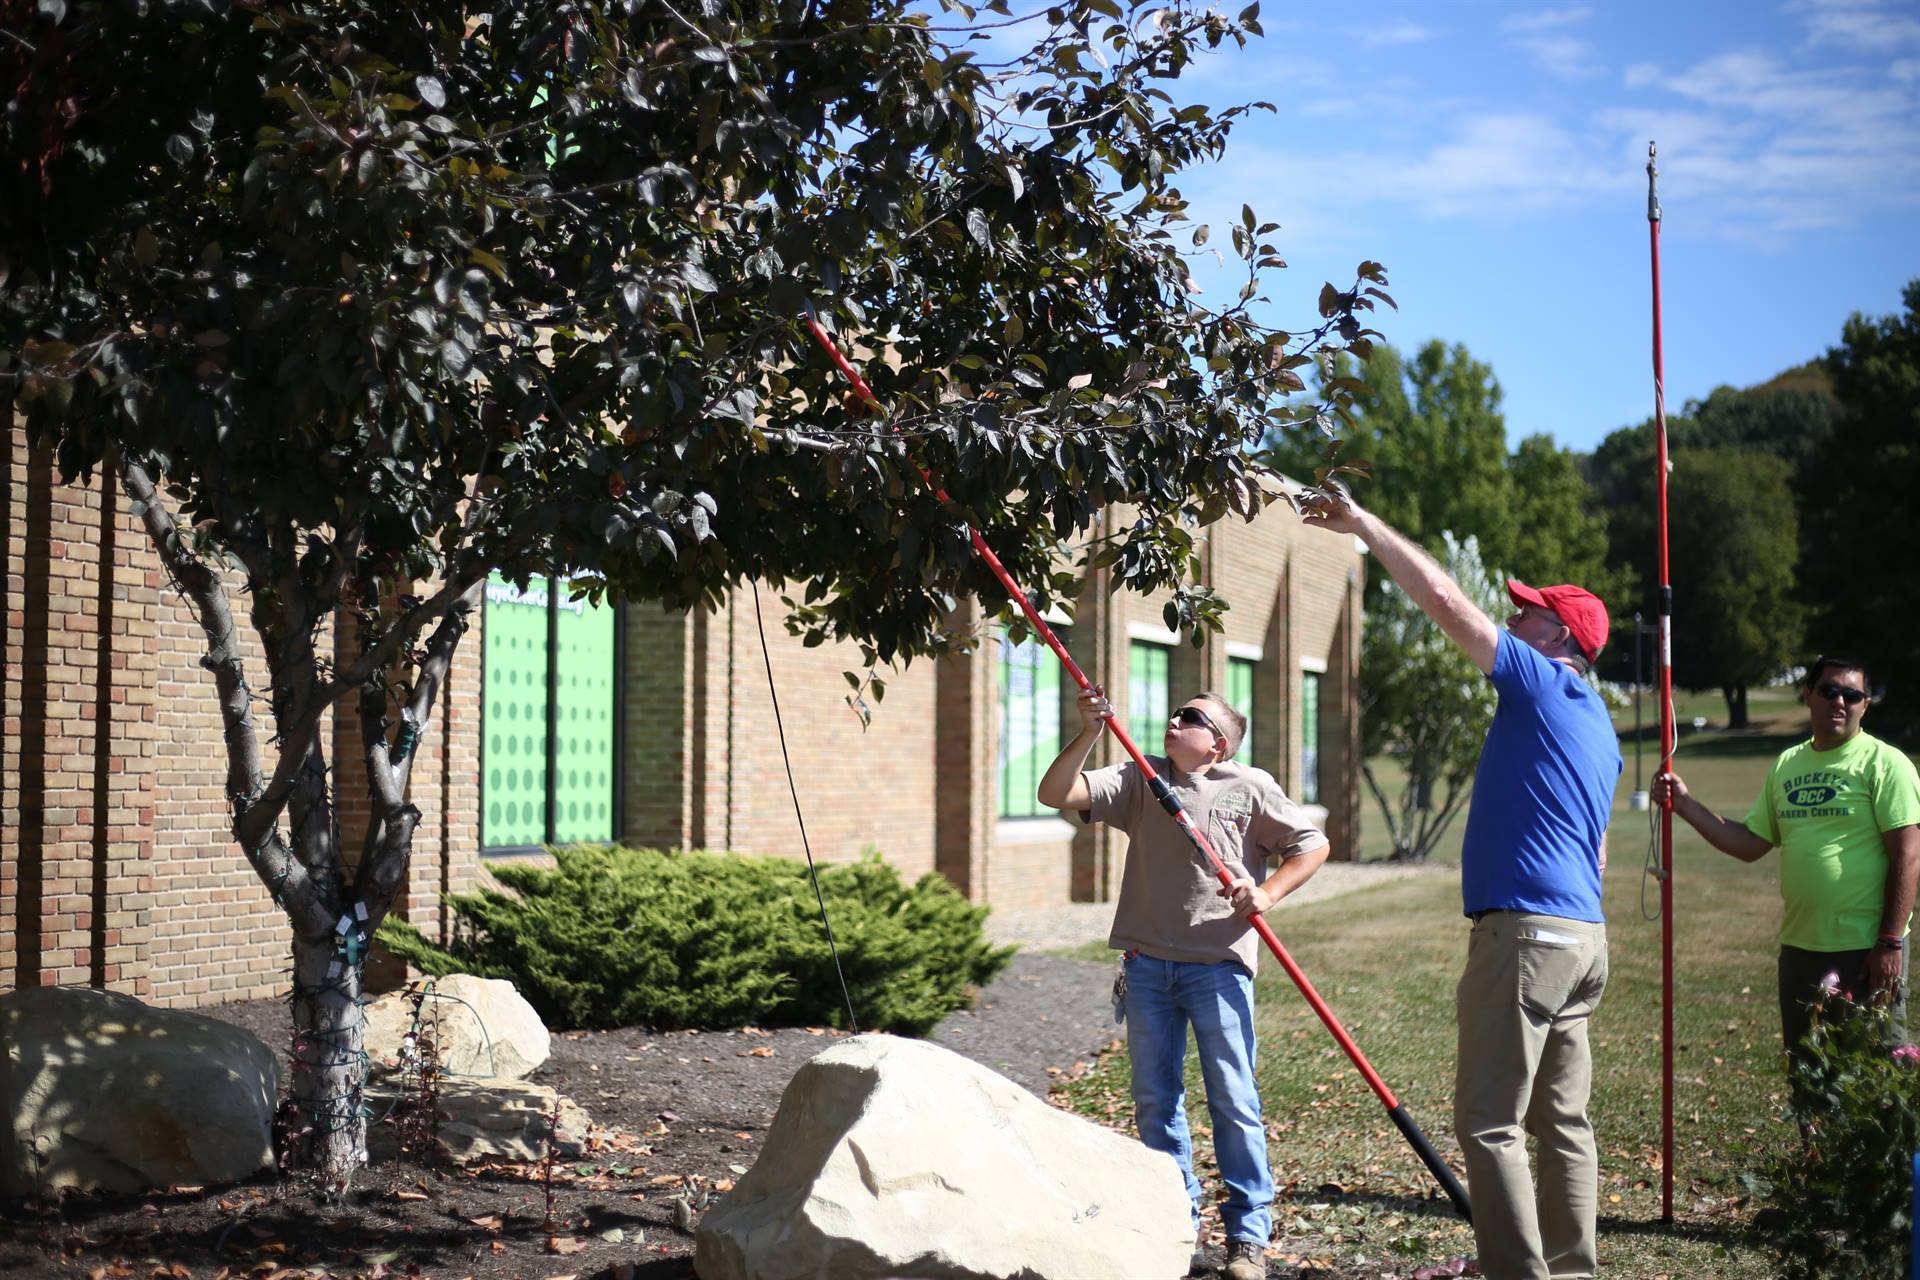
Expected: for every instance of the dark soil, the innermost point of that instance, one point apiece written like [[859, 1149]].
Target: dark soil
[[682, 1114]]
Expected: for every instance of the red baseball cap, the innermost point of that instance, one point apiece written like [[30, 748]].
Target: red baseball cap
[[1579, 608]]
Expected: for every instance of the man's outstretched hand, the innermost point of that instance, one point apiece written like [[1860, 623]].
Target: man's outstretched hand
[[1330, 508]]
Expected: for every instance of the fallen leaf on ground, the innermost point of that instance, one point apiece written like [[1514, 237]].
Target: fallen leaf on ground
[[491, 1222], [565, 1244], [411, 1195]]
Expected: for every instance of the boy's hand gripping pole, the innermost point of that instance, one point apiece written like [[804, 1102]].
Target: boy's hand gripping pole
[[1396, 1111]]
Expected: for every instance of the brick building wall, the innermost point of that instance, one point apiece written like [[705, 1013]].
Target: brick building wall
[[704, 769], [117, 869], [77, 735]]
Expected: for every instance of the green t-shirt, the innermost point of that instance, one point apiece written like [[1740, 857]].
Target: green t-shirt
[[1827, 811]]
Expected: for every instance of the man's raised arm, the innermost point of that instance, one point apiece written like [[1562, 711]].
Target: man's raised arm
[[1424, 581]]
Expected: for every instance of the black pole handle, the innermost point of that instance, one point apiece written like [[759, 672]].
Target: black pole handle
[[1431, 1158]]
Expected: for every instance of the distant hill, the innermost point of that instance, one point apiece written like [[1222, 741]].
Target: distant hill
[[1811, 376]]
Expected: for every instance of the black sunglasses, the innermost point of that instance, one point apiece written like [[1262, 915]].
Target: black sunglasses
[[1830, 691], [1194, 717]]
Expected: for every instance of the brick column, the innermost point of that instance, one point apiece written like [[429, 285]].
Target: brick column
[[1100, 645], [1340, 747], [1278, 682], [663, 719], [966, 714]]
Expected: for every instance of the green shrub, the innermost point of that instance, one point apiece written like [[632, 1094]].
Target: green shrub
[[614, 937], [1844, 1195]]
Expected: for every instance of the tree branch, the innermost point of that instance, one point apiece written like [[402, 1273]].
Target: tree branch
[[255, 822], [1380, 797], [385, 868]]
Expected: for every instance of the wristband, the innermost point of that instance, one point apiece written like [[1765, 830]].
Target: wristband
[[1896, 941]]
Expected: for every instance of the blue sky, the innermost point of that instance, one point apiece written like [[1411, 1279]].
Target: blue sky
[[1493, 156]]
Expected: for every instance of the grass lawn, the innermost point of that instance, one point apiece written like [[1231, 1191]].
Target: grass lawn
[[1354, 1200]]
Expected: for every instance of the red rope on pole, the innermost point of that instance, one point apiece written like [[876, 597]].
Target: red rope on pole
[[1448, 1182], [1667, 737]]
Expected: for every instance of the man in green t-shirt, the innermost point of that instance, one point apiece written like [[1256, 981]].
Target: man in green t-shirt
[[1844, 809]]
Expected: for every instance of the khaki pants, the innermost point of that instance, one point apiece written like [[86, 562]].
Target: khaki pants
[[1524, 1068]]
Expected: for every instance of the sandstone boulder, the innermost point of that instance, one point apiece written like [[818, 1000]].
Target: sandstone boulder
[[897, 1158], [103, 1093], [484, 1027], [488, 1120]]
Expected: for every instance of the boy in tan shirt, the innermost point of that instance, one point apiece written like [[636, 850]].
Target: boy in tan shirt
[[1189, 948]]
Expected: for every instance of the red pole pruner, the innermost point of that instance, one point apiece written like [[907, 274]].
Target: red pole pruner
[[1396, 1111]]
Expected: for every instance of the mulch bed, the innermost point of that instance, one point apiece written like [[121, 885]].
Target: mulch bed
[[683, 1113]]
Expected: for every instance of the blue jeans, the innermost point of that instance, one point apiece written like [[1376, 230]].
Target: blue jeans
[[1164, 997]]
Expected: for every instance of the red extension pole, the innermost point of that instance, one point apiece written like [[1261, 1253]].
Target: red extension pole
[[1395, 1110], [1665, 659]]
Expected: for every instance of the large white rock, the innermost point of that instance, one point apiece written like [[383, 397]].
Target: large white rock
[[103, 1093], [897, 1158], [487, 1120], [485, 1028]]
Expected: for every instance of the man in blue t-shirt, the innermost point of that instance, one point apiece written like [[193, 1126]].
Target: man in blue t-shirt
[[1530, 882]]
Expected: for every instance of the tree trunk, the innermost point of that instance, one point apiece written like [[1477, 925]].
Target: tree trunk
[[1736, 697], [329, 1126]]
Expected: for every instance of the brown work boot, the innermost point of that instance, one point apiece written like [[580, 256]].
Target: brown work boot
[[1246, 1260]]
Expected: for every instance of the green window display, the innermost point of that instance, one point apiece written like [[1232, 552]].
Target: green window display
[[1029, 723], [1147, 705], [1240, 672], [550, 706]]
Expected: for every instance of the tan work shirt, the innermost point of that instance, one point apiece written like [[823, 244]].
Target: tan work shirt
[[1170, 905]]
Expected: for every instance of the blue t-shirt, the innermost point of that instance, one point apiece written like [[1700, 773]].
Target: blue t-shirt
[[1542, 793]]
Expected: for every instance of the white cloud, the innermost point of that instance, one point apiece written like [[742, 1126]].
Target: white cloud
[[1868, 25], [1401, 32], [1561, 56], [1546, 19], [1756, 143], [1545, 37], [1769, 147], [1504, 164]]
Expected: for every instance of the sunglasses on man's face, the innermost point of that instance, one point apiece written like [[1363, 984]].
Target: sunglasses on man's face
[[1831, 691], [1195, 718]]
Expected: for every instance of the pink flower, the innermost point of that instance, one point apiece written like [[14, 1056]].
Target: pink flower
[[1831, 983], [1907, 1053]]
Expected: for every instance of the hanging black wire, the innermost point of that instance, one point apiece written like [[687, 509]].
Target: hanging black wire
[[759, 623]]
